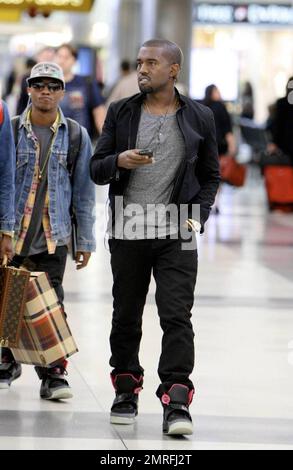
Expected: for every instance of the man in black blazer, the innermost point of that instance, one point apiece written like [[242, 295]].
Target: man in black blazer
[[157, 151]]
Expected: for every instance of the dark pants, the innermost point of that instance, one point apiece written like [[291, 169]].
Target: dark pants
[[54, 265], [175, 272]]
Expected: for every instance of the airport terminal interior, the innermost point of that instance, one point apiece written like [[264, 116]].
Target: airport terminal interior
[[243, 336], [243, 308]]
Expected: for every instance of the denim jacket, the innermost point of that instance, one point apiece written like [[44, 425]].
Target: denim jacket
[[61, 191], [7, 173]]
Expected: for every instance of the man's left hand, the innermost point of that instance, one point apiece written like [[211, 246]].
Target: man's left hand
[[82, 259]]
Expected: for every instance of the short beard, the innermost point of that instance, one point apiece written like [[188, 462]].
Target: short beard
[[146, 89]]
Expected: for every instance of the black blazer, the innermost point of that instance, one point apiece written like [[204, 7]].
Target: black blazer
[[198, 177]]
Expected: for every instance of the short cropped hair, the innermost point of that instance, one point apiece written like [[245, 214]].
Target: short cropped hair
[[172, 50]]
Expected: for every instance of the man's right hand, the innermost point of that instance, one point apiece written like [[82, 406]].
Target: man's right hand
[[6, 248], [272, 148], [130, 159]]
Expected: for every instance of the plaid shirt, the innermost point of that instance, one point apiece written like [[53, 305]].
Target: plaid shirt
[[51, 244]]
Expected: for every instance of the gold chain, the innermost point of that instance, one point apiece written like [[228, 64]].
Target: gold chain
[[175, 105]]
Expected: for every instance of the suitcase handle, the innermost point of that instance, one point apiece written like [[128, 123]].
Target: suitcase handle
[[4, 261]]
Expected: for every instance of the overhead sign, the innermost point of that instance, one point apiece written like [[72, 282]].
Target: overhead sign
[[72, 5], [253, 13], [10, 15]]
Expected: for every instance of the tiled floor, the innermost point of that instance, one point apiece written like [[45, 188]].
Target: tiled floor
[[243, 319]]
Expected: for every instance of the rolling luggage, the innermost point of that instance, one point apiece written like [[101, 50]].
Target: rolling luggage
[[231, 171], [279, 185]]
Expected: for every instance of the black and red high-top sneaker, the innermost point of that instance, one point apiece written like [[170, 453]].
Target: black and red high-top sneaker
[[125, 406], [177, 419], [54, 386], [9, 369]]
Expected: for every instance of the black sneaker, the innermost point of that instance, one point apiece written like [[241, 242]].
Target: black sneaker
[[125, 406], [9, 371], [54, 386], [177, 420]]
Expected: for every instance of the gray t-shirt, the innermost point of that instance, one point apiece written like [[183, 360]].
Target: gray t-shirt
[[151, 186], [35, 240]]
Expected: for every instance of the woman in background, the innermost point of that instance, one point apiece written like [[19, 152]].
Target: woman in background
[[225, 138]]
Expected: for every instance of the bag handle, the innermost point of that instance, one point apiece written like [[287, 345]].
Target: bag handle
[[4, 261]]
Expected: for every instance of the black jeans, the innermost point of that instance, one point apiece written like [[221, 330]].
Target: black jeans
[[54, 265], [175, 272]]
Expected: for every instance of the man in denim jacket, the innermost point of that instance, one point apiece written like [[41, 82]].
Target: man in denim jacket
[[7, 176], [43, 197]]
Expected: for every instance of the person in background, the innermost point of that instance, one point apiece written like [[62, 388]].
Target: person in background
[[126, 85], [44, 193], [7, 185], [23, 97], [281, 124], [225, 138], [46, 54], [247, 101], [82, 101]]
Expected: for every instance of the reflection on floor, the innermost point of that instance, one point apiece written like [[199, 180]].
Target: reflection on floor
[[244, 342]]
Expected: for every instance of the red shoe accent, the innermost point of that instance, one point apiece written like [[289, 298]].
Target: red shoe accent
[[114, 378], [64, 364], [165, 399], [190, 396], [60, 368]]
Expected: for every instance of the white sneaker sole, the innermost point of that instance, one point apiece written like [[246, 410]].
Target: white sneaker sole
[[122, 419], [60, 394], [180, 428], [4, 386]]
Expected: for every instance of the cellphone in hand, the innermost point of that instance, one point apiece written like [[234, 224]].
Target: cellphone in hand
[[146, 152]]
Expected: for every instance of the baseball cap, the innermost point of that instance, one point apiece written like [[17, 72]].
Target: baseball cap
[[47, 70]]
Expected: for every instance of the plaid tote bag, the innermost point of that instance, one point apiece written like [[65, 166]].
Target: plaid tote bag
[[45, 337]]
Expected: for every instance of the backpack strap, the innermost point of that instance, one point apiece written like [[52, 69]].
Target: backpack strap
[[74, 145], [15, 125]]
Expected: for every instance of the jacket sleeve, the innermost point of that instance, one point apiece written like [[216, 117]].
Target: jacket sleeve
[[103, 165], [208, 170], [84, 199], [7, 174]]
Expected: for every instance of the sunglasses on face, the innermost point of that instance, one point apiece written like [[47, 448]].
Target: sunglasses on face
[[52, 86]]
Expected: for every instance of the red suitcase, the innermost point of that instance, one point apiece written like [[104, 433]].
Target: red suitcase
[[279, 184], [231, 171]]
